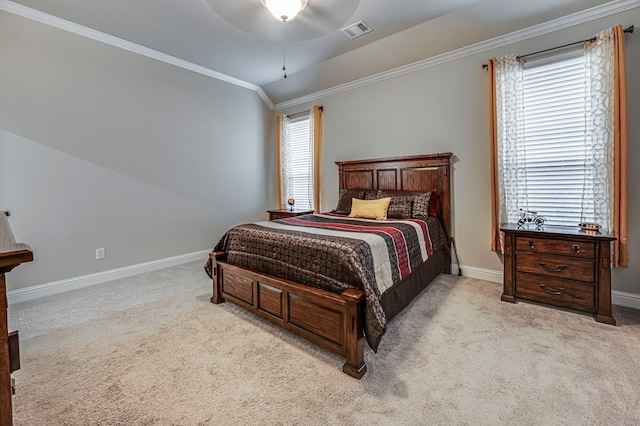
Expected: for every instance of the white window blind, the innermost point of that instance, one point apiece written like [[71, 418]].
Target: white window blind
[[554, 141], [300, 173]]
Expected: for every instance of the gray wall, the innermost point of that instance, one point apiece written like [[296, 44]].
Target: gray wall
[[100, 147], [103, 148], [445, 108]]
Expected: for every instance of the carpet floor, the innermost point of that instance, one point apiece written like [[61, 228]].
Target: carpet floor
[[152, 350]]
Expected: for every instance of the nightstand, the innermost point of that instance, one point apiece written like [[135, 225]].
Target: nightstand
[[282, 213], [561, 266]]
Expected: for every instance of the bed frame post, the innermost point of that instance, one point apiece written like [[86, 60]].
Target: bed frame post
[[354, 366], [216, 271], [448, 258]]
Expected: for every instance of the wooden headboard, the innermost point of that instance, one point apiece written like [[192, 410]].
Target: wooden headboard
[[429, 172]]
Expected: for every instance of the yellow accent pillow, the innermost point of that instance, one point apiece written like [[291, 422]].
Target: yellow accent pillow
[[370, 209]]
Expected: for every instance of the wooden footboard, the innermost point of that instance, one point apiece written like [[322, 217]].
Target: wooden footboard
[[332, 321]]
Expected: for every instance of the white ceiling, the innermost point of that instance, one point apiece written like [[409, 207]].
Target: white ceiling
[[239, 38]]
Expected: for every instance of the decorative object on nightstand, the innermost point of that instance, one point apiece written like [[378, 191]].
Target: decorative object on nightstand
[[282, 213], [291, 202], [590, 228], [527, 217], [558, 265]]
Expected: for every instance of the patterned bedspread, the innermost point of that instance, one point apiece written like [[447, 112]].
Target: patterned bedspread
[[335, 252]]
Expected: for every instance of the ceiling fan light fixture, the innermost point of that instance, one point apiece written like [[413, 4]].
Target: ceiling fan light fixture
[[284, 10]]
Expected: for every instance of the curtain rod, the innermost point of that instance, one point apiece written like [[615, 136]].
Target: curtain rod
[[302, 112], [589, 40]]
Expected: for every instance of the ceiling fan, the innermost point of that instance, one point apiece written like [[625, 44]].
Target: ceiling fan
[[317, 18]]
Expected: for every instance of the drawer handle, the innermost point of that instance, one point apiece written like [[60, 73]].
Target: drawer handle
[[544, 288], [575, 248], [531, 244], [546, 268]]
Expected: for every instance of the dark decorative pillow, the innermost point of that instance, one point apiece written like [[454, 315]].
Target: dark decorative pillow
[[421, 204], [420, 200], [372, 194], [400, 209], [434, 204], [344, 202]]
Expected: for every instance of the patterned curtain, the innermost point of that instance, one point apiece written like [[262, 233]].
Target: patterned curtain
[[278, 162], [598, 182], [285, 179], [508, 158], [606, 115]]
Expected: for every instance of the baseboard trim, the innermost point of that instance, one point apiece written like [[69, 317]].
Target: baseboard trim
[[629, 300], [478, 273], [56, 287]]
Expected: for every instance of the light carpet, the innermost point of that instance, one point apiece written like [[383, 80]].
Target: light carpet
[[152, 350]]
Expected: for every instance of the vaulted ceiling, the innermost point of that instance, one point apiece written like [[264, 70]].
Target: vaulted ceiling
[[240, 39]]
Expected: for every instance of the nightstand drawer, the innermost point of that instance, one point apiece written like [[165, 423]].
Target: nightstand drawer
[[558, 292], [556, 266], [585, 249], [278, 215]]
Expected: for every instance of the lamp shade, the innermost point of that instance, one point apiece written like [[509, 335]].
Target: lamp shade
[[284, 10]]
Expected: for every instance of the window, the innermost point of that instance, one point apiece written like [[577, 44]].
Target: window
[[297, 161], [559, 139], [554, 156], [554, 144], [299, 142]]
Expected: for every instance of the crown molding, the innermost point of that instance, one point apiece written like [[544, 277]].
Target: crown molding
[[514, 37], [72, 27], [577, 18], [265, 98], [395, 72]]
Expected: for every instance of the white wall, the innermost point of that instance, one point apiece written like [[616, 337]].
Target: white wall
[[100, 147], [445, 108]]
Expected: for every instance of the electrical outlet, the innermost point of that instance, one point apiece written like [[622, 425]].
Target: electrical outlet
[[100, 253]]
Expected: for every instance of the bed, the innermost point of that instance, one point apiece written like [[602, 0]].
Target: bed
[[334, 307]]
